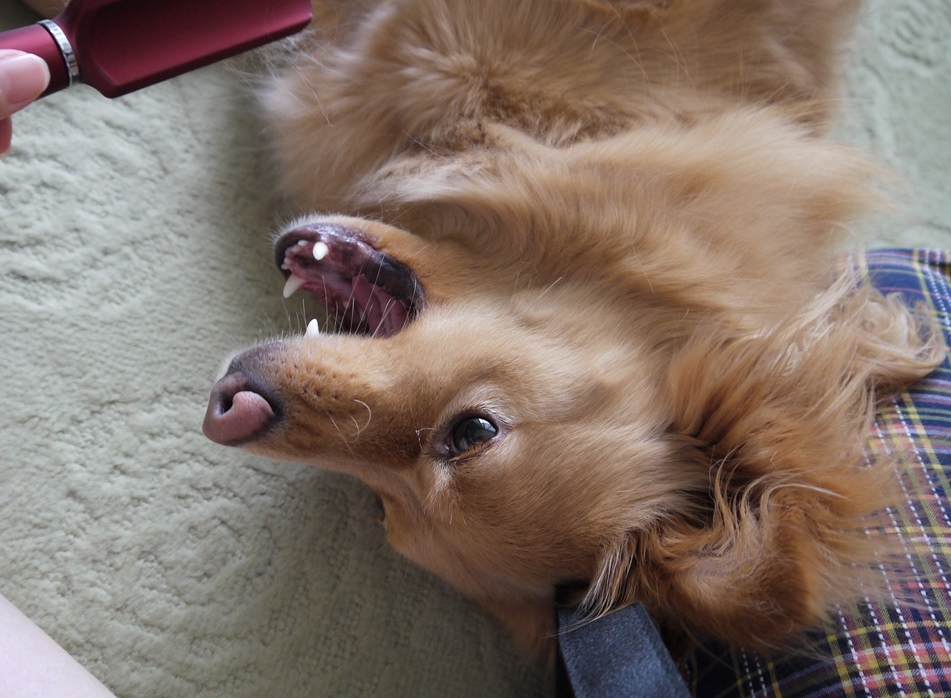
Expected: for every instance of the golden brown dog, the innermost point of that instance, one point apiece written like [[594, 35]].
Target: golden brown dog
[[581, 257]]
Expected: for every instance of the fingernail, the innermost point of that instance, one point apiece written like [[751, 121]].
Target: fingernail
[[23, 77]]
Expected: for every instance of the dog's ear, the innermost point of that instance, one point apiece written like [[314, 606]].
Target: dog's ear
[[780, 419]]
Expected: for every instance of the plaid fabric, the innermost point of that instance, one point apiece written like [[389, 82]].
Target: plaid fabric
[[872, 650]]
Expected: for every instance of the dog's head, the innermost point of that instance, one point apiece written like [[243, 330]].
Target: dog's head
[[626, 365]]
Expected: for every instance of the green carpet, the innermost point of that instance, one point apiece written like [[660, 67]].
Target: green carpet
[[134, 254]]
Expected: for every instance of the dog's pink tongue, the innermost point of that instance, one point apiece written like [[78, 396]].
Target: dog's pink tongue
[[235, 414]]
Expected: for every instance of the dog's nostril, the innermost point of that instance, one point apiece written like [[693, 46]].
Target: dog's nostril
[[236, 412], [226, 402]]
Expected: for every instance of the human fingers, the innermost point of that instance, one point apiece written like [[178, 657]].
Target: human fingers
[[23, 77]]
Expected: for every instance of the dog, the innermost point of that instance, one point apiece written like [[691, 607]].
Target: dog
[[593, 329]]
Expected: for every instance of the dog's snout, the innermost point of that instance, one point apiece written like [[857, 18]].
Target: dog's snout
[[249, 361], [242, 407], [236, 412]]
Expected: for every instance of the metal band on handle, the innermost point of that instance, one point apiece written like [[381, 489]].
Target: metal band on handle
[[69, 56]]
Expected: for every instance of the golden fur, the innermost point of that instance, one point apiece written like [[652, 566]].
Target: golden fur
[[625, 221]]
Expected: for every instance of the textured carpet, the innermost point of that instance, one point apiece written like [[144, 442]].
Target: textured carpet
[[134, 254]]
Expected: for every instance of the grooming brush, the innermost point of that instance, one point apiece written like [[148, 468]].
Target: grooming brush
[[118, 46]]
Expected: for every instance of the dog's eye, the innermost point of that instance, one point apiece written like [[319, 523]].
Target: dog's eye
[[470, 433]]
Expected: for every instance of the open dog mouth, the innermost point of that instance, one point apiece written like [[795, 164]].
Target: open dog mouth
[[363, 290]]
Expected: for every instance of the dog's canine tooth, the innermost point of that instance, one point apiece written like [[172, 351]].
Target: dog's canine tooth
[[292, 285], [320, 250], [313, 329]]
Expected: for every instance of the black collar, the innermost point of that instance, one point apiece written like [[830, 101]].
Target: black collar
[[620, 655]]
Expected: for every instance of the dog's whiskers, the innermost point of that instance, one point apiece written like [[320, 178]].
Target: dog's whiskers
[[342, 437], [550, 287], [369, 414]]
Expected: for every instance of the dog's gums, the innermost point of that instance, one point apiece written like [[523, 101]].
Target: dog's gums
[[595, 325], [364, 290]]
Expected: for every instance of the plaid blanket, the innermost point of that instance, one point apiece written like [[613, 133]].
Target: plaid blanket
[[902, 648]]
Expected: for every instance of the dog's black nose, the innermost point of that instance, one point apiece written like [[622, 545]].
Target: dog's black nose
[[237, 413]]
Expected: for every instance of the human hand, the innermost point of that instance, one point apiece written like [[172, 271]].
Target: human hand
[[23, 77], [32, 664]]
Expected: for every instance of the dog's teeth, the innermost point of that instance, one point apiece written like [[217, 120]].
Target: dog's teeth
[[313, 329], [320, 250], [293, 283]]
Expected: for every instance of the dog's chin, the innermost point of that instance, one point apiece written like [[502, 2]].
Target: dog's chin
[[364, 290]]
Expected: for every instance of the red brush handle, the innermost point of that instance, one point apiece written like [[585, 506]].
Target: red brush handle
[[118, 46]]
